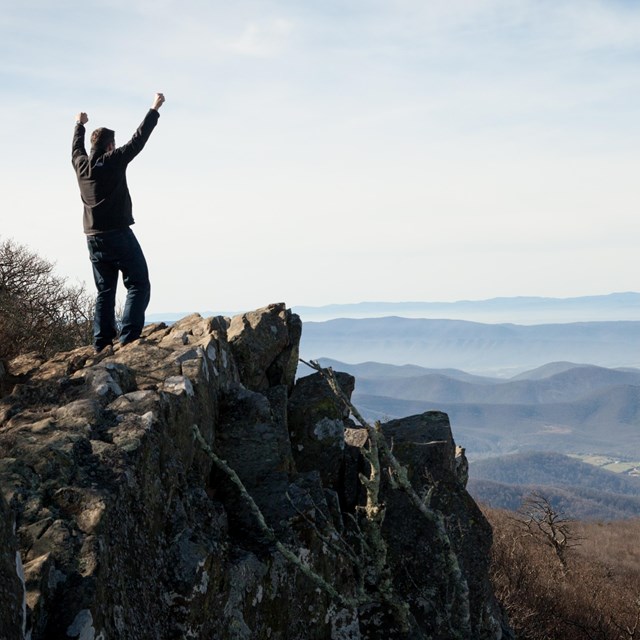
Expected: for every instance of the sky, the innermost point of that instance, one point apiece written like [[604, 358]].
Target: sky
[[328, 151]]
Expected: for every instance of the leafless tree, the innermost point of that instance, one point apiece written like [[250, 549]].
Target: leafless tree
[[549, 525], [39, 310]]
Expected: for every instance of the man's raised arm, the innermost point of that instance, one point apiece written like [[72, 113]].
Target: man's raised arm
[[131, 149]]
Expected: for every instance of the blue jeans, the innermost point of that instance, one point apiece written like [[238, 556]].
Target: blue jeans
[[110, 253]]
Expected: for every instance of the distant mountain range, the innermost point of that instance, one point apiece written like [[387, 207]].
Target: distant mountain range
[[573, 409], [519, 310], [579, 490], [487, 349]]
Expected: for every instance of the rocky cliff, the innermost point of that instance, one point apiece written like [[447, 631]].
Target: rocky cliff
[[187, 486]]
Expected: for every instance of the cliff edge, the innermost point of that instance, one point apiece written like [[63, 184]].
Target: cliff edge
[[124, 509]]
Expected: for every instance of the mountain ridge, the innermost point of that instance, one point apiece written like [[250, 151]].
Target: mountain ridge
[[524, 309], [500, 350]]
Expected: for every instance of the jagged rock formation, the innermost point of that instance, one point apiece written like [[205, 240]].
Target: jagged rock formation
[[116, 524]]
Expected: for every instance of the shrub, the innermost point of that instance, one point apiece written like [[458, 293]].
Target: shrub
[[39, 311]]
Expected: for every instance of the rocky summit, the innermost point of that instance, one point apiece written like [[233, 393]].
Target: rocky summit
[[189, 486]]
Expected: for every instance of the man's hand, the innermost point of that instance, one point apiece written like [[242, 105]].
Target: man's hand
[[82, 118], [158, 101]]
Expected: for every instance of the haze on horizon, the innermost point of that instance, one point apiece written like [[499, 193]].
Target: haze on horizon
[[335, 152]]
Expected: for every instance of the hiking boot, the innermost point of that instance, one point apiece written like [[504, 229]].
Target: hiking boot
[[107, 350]]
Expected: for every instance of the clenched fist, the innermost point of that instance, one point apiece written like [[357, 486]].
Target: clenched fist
[[158, 101]]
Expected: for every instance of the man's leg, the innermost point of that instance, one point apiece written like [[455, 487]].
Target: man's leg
[[135, 276], [105, 275]]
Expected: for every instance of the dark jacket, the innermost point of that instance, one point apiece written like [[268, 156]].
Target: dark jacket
[[103, 181]]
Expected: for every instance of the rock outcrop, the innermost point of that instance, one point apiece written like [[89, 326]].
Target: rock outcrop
[[117, 524]]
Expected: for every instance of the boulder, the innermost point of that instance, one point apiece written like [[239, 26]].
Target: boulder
[[265, 344]]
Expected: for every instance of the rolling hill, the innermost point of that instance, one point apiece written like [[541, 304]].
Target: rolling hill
[[579, 490]]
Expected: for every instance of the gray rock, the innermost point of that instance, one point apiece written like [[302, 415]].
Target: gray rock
[[265, 344]]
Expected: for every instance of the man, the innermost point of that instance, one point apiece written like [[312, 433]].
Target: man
[[113, 248]]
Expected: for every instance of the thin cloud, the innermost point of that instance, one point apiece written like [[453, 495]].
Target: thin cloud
[[260, 39]]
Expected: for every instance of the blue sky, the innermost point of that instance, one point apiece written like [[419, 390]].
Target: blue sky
[[336, 151]]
